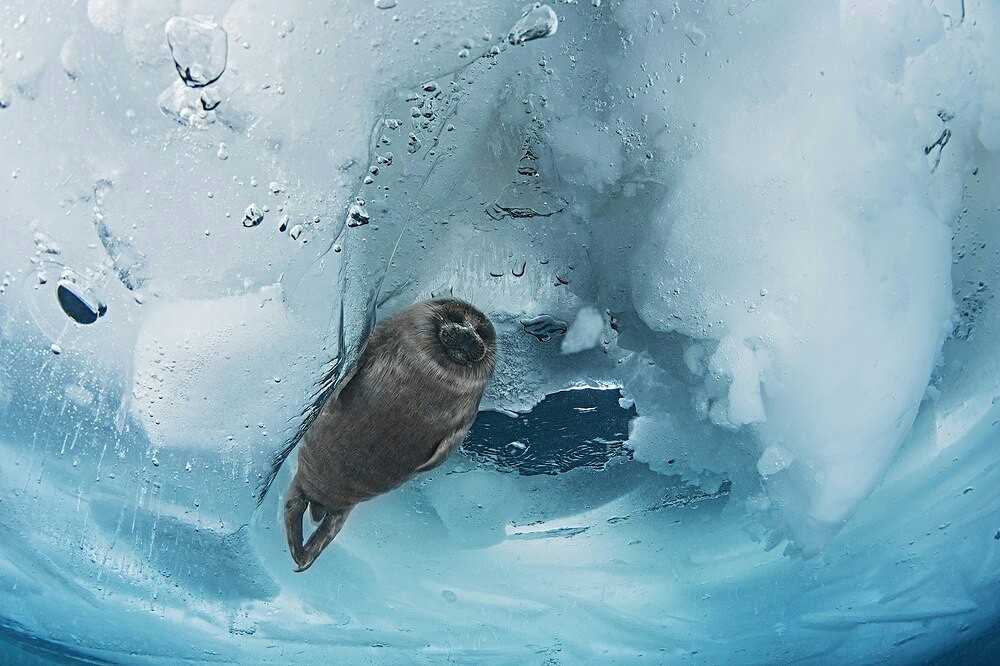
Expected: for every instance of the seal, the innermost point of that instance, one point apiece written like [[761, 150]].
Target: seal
[[407, 404]]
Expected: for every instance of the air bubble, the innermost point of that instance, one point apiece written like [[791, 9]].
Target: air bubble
[[78, 298], [536, 22], [357, 215], [252, 216], [199, 47]]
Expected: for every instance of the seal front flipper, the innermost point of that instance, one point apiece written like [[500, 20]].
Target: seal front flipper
[[444, 448]]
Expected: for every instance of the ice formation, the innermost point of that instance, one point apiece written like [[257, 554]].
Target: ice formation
[[740, 255]]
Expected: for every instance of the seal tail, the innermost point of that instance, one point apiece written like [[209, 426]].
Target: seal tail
[[295, 508]]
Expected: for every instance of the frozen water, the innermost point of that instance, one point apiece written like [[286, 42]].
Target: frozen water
[[741, 257], [585, 331]]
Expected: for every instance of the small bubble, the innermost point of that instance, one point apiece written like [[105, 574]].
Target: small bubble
[[252, 216], [223, 152], [357, 215], [413, 144], [55, 349], [385, 4]]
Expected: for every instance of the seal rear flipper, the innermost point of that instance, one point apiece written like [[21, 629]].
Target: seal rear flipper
[[327, 530], [317, 512], [295, 507]]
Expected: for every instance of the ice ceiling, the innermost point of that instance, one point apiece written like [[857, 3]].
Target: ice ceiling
[[741, 258]]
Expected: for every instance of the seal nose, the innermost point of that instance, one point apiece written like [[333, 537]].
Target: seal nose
[[462, 342]]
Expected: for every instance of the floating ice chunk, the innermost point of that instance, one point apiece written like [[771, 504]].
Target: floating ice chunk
[[585, 331], [773, 460], [735, 361]]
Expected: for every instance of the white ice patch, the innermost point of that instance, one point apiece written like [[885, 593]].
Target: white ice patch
[[209, 372], [794, 225], [773, 460], [585, 331], [734, 361], [107, 15]]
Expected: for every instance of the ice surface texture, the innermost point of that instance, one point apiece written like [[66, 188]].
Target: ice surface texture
[[771, 225]]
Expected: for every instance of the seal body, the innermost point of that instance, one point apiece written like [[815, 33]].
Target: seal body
[[408, 403]]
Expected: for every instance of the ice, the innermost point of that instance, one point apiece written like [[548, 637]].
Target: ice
[[741, 258], [107, 15], [585, 331], [193, 355]]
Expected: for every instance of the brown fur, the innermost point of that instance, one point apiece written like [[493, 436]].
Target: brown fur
[[407, 405]]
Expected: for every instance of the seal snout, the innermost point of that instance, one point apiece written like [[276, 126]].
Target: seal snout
[[461, 342]]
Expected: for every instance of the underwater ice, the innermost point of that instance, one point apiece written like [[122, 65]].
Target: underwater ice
[[741, 257]]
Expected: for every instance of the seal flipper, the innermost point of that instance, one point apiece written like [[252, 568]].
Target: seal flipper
[[444, 448], [295, 507], [317, 512], [333, 521]]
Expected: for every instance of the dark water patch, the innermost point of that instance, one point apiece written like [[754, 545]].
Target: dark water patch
[[568, 429]]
